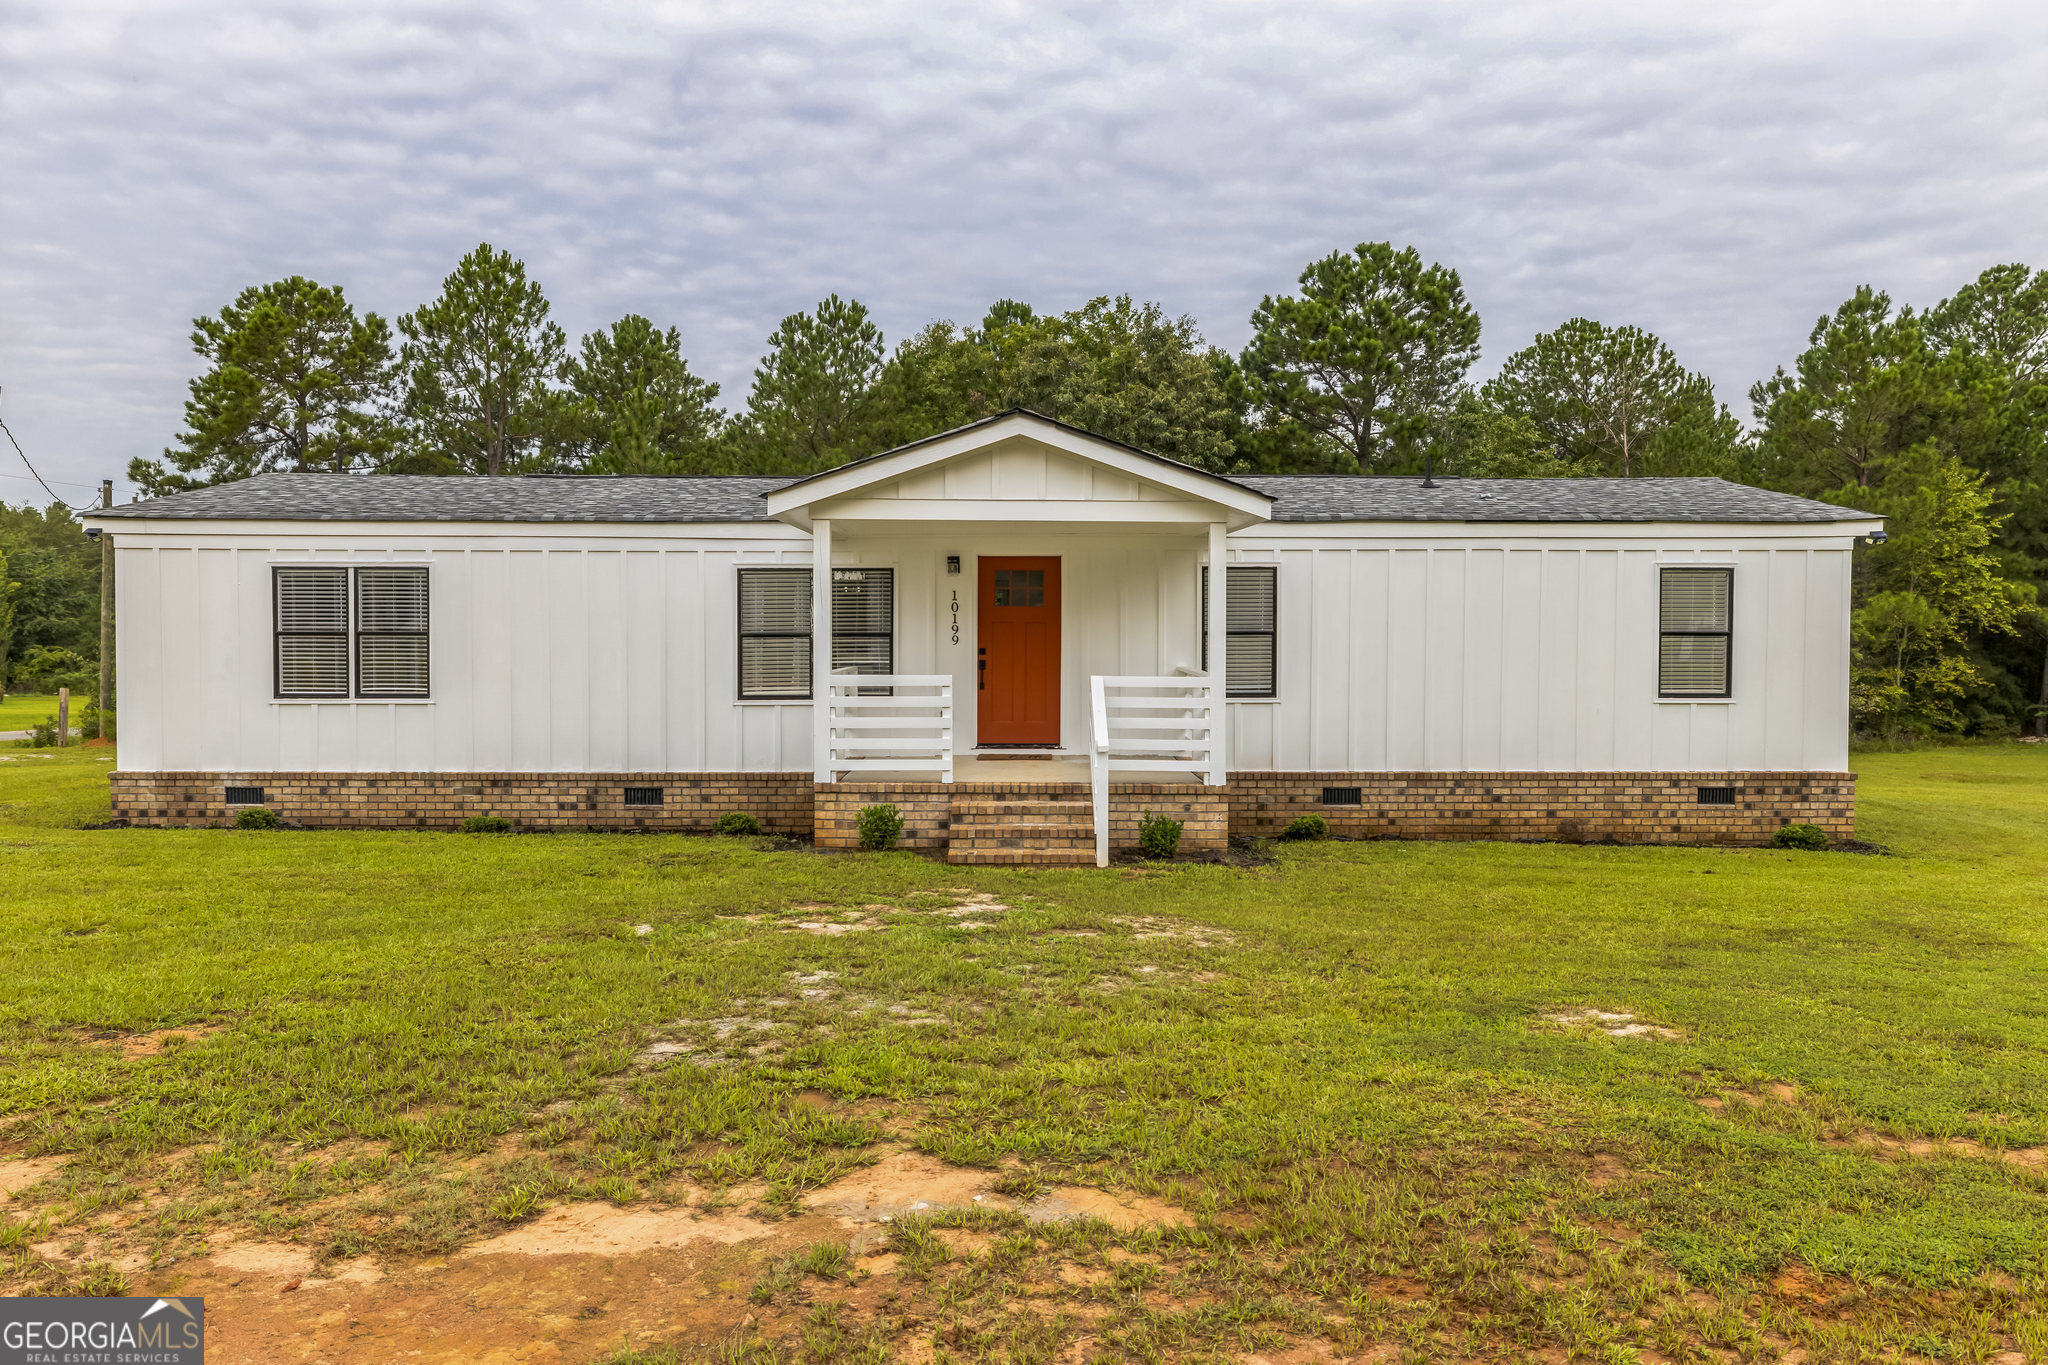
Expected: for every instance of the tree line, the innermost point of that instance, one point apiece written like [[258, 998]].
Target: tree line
[[1937, 419]]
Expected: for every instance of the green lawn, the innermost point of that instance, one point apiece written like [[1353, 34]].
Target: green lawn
[[1338, 1061], [21, 710]]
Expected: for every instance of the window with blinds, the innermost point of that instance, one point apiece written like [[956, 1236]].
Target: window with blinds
[[864, 620], [311, 657], [1251, 625], [324, 640], [1695, 632], [775, 634], [391, 632]]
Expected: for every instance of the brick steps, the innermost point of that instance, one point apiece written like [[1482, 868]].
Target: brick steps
[[1022, 830]]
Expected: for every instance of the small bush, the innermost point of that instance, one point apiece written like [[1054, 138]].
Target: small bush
[[1809, 837], [486, 824], [1307, 827], [256, 817], [880, 827], [41, 735], [736, 822], [1158, 836]]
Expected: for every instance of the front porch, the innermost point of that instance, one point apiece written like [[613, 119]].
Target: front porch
[[1154, 745], [1044, 824], [1018, 657]]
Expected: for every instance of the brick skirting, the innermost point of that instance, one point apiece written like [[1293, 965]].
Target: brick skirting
[[781, 801], [1632, 808], [926, 808]]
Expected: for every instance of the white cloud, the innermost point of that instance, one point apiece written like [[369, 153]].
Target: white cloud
[[1718, 174]]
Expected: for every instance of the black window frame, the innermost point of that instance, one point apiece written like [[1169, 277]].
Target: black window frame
[[1272, 637], [887, 635], [357, 633], [278, 632], [743, 635], [350, 634], [1726, 635]]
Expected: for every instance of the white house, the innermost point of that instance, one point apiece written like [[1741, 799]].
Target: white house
[[1022, 653]]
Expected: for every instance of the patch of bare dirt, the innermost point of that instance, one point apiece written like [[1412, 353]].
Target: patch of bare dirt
[[914, 1183], [1307, 1353], [855, 922], [535, 1306], [18, 1173], [277, 1261], [907, 1182], [1164, 926], [963, 1242], [136, 1045], [1124, 1212], [601, 1229], [2026, 1158], [1615, 1024]]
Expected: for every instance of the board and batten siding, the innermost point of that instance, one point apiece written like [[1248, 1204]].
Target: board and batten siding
[[613, 649], [1538, 652], [564, 652]]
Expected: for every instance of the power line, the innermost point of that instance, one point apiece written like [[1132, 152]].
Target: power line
[[61, 483], [89, 507]]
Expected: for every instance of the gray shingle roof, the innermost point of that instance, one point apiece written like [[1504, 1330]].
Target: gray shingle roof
[[1306, 497], [738, 498], [418, 497]]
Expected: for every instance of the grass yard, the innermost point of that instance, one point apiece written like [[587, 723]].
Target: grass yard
[[1327, 1099], [22, 710]]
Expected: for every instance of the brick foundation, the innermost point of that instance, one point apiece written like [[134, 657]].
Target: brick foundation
[[1629, 807], [781, 801], [926, 808], [1632, 808]]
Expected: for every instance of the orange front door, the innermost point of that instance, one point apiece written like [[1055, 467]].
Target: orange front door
[[1019, 664]]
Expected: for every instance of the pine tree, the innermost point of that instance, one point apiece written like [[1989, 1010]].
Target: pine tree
[[812, 405], [635, 408], [295, 381], [479, 362], [1615, 400], [1375, 346]]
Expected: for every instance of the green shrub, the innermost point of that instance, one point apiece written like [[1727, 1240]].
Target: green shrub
[[1158, 835], [1307, 827], [736, 822], [256, 817], [1810, 837], [486, 824], [880, 827], [41, 735], [47, 668]]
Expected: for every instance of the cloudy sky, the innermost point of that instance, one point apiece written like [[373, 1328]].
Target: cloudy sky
[[1719, 173]]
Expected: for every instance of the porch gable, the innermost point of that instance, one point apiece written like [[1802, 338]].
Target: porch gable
[[1016, 467]]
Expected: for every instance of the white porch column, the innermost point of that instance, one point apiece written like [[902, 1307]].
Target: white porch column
[[1219, 622], [821, 643]]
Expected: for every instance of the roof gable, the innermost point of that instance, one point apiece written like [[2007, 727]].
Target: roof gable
[[1008, 466]]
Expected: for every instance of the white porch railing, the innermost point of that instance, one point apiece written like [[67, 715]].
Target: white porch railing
[[910, 730], [1153, 724]]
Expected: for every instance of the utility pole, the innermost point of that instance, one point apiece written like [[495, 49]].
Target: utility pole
[[106, 616]]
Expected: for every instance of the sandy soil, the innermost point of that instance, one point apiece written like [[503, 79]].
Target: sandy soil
[[582, 1280]]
